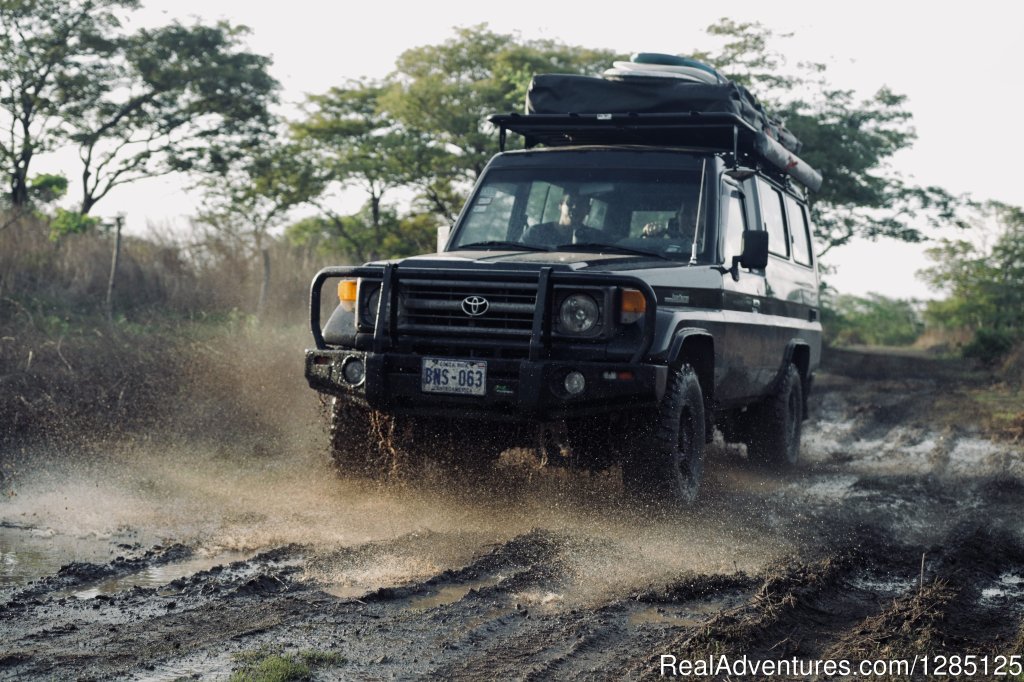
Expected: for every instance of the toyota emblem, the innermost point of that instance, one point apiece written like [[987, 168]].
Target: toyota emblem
[[475, 306]]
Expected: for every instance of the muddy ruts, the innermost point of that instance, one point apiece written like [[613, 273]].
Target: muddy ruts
[[80, 575]]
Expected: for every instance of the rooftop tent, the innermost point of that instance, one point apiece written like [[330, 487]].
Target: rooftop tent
[[637, 103], [563, 94]]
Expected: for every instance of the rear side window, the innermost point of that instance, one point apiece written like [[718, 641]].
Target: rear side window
[[800, 230], [774, 220]]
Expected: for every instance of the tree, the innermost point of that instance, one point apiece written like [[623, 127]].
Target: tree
[[183, 98], [357, 144], [984, 278], [446, 92], [52, 53], [159, 100], [254, 193], [850, 142], [423, 129], [346, 237]]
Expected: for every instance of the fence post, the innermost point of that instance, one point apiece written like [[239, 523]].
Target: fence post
[[118, 224]]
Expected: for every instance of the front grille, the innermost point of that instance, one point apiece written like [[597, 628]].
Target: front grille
[[434, 308]]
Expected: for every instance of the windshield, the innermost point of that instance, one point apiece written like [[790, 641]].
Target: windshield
[[656, 211]]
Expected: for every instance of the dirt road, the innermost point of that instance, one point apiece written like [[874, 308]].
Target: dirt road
[[900, 536]]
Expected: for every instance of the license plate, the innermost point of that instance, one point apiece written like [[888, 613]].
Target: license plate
[[457, 377]]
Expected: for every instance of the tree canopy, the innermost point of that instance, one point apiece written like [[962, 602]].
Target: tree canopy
[[424, 127], [424, 130], [134, 105], [984, 276], [850, 141], [192, 98]]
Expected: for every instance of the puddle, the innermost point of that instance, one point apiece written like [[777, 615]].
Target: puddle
[[449, 594], [356, 581], [542, 598], [832, 488], [882, 585], [28, 553], [158, 576], [1007, 586], [688, 616]]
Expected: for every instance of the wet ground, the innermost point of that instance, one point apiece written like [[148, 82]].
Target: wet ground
[[898, 536]]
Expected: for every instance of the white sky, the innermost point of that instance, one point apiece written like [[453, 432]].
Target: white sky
[[959, 65]]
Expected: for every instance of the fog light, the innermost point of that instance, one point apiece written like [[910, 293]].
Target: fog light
[[353, 370], [575, 383]]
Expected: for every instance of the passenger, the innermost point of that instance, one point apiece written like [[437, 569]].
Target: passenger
[[681, 227]]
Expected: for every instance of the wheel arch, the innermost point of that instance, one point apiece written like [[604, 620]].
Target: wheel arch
[[797, 353], [696, 347]]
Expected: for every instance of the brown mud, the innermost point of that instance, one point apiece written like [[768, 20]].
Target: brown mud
[[899, 535]]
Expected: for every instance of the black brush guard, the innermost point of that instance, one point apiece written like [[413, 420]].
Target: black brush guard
[[386, 328]]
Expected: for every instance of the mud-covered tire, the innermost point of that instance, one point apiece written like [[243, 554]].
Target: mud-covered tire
[[467, 453], [666, 462], [375, 445], [355, 447], [773, 427]]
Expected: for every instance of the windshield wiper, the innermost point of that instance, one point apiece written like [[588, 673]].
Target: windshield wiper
[[608, 248], [497, 243]]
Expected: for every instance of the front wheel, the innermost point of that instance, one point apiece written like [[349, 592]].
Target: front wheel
[[370, 444], [667, 459], [355, 445]]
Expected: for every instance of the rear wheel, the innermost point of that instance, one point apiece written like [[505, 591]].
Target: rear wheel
[[667, 459], [773, 427]]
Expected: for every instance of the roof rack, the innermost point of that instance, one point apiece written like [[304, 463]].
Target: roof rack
[[718, 132]]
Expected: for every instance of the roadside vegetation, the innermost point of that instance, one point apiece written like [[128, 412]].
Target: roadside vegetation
[[95, 324], [980, 316], [264, 665]]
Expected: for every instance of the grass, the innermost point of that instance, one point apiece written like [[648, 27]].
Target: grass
[[1002, 407], [265, 665]]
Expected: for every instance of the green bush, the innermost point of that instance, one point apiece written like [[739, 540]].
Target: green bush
[[991, 345], [873, 320]]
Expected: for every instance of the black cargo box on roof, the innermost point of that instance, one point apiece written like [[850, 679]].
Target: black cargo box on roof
[[579, 110], [565, 94]]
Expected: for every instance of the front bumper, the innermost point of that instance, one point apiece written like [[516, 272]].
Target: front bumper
[[516, 390]]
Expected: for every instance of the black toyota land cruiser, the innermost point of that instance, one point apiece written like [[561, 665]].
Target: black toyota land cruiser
[[608, 295]]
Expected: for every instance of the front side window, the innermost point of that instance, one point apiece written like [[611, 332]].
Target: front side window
[[595, 207]]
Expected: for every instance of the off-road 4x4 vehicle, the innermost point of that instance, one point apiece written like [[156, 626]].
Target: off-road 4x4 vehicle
[[670, 287]]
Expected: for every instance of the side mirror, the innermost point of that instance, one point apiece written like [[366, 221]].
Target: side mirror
[[443, 232], [753, 253]]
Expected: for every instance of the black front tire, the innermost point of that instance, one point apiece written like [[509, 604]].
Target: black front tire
[[667, 460], [354, 444], [370, 444], [774, 426]]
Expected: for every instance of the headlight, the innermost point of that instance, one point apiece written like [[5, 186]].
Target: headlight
[[578, 314], [371, 301]]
